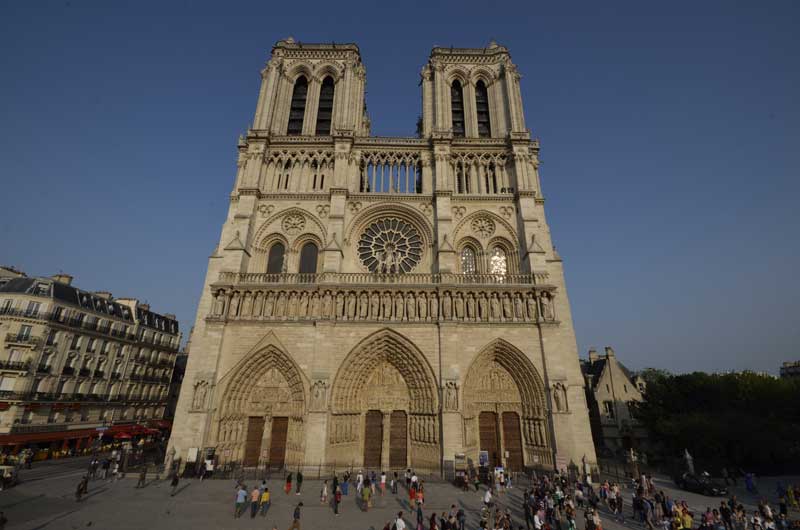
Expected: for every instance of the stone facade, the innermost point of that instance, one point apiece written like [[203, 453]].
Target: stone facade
[[385, 302], [72, 361], [610, 390]]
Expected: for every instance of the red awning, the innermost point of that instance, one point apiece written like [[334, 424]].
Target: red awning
[[122, 436], [24, 438], [161, 424]]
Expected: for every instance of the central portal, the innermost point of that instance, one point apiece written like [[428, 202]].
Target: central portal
[[373, 439]]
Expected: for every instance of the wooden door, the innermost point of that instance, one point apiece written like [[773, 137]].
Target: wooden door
[[373, 440], [277, 442], [512, 439], [487, 423], [398, 440], [252, 444]]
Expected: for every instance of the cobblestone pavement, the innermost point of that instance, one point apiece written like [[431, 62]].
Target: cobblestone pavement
[[49, 503]]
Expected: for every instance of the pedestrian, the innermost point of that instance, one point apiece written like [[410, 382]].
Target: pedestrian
[[288, 487], [420, 494], [399, 524], [3, 520], [174, 484], [323, 494], [346, 483], [487, 499], [239, 502], [408, 478], [79, 491], [115, 471], [461, 517], [265, 502], [299, 481], [394, 483], [383, 483], [366, 497], [106, 465], [255, 500], [337, 500], [296, 517], [359, 481], [142, 477]]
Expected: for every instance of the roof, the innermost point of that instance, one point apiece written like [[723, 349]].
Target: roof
[[595, 369]]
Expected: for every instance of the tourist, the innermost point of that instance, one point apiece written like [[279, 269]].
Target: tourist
[[407, 475], [296, 517], [106, 465], [323, 494], [366, 496], [399, 524], [299, 481], [394, 483], [142, 477], [265, 502], [359, 481], [337, 500], [239, 502], [383, 483], [420, 494], [255, 500], [346, 483], [288, 486]]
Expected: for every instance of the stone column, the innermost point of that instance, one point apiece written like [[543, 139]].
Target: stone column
[[470, 111], [427, 101], [312, 104]]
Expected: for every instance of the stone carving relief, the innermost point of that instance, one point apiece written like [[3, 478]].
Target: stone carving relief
[[426, 208], [423, 429], [293, 223], [508, 305], [344, 428], [483, 227], [354, 207], [507, 211], [560, 398], [451, 396], [459, 211], [265, 209], [323, 210], [391, 390], [319, 395], [200, 395]]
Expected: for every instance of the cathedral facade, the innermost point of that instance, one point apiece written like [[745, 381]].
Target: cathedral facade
[[385, 302]]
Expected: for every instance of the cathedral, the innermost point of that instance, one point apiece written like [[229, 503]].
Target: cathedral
[[385, 303]]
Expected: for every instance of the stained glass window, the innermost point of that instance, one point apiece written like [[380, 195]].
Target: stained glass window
[[468, 265], [390, 246], [498, 263]]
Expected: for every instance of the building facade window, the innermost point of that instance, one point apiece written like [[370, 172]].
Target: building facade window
[[468, 261], [482, 108], [608, 409], [24, 332], [498, 263], [33, 309], [325, 109], [297, 109], [308, 258], [457, 108], [275, 258]]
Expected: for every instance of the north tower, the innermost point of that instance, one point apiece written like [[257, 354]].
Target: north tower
[[385, 302]]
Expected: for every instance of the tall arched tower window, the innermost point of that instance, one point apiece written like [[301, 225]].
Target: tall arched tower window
[[275, 258], [325, 109], [308, 259], [482, 108], [468, 263], [298, 106], [457, 106]]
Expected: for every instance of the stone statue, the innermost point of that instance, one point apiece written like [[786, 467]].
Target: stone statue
[[508, 310], [292, 305], [302, 310], [530, 301], [219, 303], [374, 306], [387, 306], [247, 306], [326, 305], [363, 306], [557, 398], [314, 305], [519, 307], [447, 307], [258, 304], [398, 306], [422, 306], [483, 307], [280, 305], [234, 309], [547, 307], [318, 396], [470, 307], [433, 305], [411, 307], [339, 305], [269, 304], [494, 306], [451, 396], [458, 306], [200, 389], [351, 306]]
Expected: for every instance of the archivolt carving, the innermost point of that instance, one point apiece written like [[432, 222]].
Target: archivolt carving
[[503, 227], [374, 354], [265, 230]]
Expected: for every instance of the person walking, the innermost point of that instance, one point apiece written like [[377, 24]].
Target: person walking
[[239, 503], [174, 484], [359, 481], [296, 517], [394, 483], [265, 502], [142, 477], [288, 487], [346, 483], [383, 483], [255, 501], [106, 465], [323, 494], [299, 481], [399, 524], [337, 500], [366, 495]]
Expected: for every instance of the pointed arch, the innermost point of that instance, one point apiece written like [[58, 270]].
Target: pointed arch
[[297, 107]]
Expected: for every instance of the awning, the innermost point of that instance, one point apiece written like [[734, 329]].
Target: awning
[[33, 437]]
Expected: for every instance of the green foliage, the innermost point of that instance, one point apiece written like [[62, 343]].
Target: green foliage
[[741, 420]]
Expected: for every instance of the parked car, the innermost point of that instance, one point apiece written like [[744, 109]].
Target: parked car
[[702, 484]]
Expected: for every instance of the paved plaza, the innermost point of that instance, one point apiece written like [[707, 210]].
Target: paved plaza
[[45, 500]]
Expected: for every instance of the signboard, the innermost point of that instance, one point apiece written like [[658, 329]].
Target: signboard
[[101, 429], [460, 462], [483, 458], [192, 456]]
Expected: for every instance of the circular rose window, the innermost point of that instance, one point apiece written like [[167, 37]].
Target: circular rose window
[[390, 246]]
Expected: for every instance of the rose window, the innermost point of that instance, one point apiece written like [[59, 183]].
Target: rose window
[[390, 246]]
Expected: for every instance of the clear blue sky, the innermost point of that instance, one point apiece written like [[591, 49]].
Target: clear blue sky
[[667, 160]]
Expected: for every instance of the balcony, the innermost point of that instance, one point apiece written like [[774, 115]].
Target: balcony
[[253, 278], [21, 366], [18, 338], [116, 375], [68, 370], [85, 372], [99, 374], [43, 369]]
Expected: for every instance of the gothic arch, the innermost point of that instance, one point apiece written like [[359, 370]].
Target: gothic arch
[[385, 346], [328, 69], [482, 74], [265, 231], [299, 68], [503, 232], [388, 209], [459, 74]]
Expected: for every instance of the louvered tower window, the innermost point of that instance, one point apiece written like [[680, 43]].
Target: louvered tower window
[[482, 107], [325, 110], [298, 107], [457, 104]]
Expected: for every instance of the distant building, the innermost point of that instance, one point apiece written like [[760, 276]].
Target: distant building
[[177, 378], [75, 363], [790, 369], [610, 390], [6, 273]]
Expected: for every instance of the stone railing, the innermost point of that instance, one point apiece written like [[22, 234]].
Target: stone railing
[[366, 278], [501, 303]]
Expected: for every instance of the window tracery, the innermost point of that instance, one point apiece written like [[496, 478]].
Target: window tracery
[[390, 246], [468, 261]]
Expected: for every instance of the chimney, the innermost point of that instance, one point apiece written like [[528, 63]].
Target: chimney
[[593, 355], [105, 295], [169, 316], [66, 279], [144, 307], [609, 351]]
